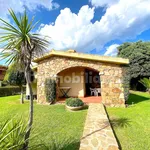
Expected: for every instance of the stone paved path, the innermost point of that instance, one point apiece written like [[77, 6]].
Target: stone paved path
[[98, 134]]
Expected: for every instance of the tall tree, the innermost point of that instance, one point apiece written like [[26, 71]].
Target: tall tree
[[139, 55], [22, 45], [15, 76]]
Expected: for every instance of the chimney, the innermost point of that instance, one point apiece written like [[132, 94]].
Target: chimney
[[71, 51]]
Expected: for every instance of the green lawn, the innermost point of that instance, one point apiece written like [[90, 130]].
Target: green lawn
[[132, 124], [53, 126]]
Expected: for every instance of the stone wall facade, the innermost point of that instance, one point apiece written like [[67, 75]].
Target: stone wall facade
[[2, 72], [111, 77]]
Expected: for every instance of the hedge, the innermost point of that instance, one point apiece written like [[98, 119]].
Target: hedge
[[50, 90], [10, 90], [126, 83]]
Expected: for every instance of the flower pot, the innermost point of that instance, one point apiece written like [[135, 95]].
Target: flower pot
[[74, 108]]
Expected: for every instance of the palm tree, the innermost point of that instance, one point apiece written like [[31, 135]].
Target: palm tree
[[146, 83], [22, 46]]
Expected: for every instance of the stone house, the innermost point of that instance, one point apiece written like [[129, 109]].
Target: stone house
[[2, 73], [80, 73]]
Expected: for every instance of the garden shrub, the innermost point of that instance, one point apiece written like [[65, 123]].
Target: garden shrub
[[74, 102], [10, 90], [126, 83], [50, 90]]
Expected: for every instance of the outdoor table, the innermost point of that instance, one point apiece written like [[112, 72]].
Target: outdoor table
[[64, 91]]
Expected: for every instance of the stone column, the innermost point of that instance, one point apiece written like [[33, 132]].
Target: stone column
[[112, 87]]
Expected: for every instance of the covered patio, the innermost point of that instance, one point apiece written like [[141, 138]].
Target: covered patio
[[86, 100], [81, 82]]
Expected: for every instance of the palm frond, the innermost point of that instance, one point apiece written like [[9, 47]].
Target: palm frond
[[8, 27], [14, 18], [146, 83], [12, 134]]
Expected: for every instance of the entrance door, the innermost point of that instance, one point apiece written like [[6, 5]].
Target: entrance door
[[92, 80]]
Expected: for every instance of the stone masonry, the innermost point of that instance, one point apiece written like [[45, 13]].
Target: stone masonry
[[97, 134], [2, 72], [111, 75]]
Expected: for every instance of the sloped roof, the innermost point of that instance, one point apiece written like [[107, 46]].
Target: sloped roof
[[74, 54], [2, 72], [3, 67]]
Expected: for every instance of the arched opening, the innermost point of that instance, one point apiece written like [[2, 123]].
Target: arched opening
[[82, 82]]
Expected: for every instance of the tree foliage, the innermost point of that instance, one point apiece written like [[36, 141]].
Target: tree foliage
[[17, 78], [138, 54]]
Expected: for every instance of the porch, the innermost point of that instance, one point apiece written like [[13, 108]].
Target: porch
[[87, 100], [79, 82]]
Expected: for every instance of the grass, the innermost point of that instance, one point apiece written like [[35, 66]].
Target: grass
[[132, 125], [54, 126]]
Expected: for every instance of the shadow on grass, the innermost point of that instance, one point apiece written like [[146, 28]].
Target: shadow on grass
[[135, 98], [120, 122], [53, 145]]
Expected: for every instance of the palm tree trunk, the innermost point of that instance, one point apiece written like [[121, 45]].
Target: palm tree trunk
[[30, 121], [22, 95]]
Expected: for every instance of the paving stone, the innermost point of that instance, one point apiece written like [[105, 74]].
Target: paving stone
[[94, 142], [112, 148]]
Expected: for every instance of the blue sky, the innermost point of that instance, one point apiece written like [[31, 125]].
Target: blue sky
[[90, 26]]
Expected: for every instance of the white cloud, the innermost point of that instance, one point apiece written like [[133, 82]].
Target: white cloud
[[18, 6], [112, 50], [102, 3], [69, 29], [122, 20]]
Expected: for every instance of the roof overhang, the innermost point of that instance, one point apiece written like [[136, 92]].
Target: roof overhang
[[3, 67], [108, 59]]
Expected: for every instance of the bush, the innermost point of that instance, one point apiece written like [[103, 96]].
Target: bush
[[74, 102], [146, 83], [9, 90], [50, 90]]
